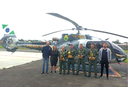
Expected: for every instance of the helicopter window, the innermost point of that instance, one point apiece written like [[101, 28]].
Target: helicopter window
[[97, 44], [117, 49], [108, 45], [95, 38], [92, 42], [88, 37]]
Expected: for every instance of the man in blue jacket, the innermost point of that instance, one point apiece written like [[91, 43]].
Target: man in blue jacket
[[46, 52]]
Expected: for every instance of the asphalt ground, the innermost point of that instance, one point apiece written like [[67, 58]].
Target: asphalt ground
[[29, 75]]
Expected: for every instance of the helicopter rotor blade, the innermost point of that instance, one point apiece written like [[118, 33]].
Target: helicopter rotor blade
[[65, 18], [107, 33], [57, 31]]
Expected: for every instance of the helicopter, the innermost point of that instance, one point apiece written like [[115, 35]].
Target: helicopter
[[10, 42]]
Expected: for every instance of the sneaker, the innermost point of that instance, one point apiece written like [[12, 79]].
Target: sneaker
[[55, 71], [89, 76], [67, 73], [47, 72], [101, 77], [107, 78], [51, 71], [85, 75], [73, 74], [96, 77], [63, 73], [77, 73], [60, 73], [42, 72]]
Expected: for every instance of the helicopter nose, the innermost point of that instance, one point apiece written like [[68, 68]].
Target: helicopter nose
[[119, 52]]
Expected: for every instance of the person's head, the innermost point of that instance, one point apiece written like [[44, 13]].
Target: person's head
[[81, 46], [104, 45], [71, 46], [54, 48], [92, 46], [47, 44], [63, 48]]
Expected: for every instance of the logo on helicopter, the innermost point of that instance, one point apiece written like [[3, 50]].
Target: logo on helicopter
[[66, 37]]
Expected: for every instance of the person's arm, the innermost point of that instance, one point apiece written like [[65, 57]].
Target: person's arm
[[96, 54], [50, 51], [85, 53], [42, 49], [100, 54], [59, 54], [88, 53], [110, 55], [66, 55], [77, 52], [74, 53]]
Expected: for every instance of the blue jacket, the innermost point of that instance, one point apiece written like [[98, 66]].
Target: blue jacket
[[46, 51]]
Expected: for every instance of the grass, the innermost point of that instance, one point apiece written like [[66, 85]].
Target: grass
[[126, 61], [1, 46], [4, 68], [126, 51]]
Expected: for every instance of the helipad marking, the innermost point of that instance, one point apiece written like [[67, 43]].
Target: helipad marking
[[116, 73]]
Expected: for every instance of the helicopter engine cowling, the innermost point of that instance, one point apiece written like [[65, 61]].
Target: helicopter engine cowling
[[10, 43]]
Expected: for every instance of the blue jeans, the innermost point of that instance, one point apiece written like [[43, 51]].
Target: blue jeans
[[47, 64]]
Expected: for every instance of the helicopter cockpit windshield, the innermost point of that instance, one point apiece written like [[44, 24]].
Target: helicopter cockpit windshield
[[118, 50]]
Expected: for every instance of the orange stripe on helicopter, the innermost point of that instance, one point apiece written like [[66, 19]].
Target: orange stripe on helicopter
[[36, 46], [1, 41]]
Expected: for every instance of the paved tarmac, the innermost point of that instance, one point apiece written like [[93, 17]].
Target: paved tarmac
[[27, 74], [9, 59]]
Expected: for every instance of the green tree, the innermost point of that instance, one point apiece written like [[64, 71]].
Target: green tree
[[116, 42]]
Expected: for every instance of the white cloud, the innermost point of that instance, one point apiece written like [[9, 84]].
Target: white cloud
[[29, 20]]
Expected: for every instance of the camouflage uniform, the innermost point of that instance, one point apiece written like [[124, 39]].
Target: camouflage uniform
[[61, 62], [71, 60], [81, 60], [94, 62]]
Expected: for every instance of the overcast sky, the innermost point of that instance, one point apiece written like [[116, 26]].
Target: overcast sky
[[29, 20]]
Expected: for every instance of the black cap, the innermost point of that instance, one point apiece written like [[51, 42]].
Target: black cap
[[70, 44]]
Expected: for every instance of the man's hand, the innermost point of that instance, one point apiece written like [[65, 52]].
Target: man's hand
[[109, 61], [82, 56], [94, 58], [63, 59]]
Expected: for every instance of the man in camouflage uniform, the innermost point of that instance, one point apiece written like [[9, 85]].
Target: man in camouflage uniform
[[71, 54], [92, 55], [81, 53], [62, 60]]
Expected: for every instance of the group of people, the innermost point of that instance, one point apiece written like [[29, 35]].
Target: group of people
[[92, 54]]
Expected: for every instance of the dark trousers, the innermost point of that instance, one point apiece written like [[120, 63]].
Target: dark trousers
[[106, 63]]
